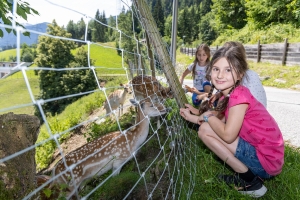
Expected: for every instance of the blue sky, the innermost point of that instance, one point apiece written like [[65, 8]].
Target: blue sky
[[48, 11]]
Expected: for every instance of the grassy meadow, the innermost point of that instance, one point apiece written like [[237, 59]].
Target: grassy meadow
[[13, 91]]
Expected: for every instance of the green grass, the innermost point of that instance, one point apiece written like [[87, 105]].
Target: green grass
[[289, 74], [4, 55], [14, 92], [284, 186]]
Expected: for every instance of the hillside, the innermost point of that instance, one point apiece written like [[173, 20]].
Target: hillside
[[13, 89]]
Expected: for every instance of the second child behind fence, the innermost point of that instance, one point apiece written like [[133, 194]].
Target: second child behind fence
[[201, 85]]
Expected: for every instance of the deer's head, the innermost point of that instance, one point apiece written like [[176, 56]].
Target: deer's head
[[126, 88], [152, 109]]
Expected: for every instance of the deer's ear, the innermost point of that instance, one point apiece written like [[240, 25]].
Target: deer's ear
[[133, 102]]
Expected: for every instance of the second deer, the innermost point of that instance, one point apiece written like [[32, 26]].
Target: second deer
[[116, 99], [149, 87], [110, 151]]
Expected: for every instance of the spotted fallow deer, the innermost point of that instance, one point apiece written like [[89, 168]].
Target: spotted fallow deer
[[110, 151], [117, 99], [149, 87]]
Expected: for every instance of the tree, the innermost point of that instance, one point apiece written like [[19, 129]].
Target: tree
[[111, 33], [205, 7], [229, 14], [158, 15], [53, 53], [71, 28], [27, 54], [265, 12], [100, 29], [194, 23], [207, 32], [23, 9], [184, 26], [125, 25], [76, 81]]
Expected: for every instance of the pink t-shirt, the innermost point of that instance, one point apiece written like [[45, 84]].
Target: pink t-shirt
[[260, 130]]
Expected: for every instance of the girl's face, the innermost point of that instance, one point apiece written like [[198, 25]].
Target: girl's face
[[201, 57], [223, 76]]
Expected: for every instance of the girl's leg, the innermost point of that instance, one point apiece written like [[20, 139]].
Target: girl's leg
[[222, 149], [244, 180]]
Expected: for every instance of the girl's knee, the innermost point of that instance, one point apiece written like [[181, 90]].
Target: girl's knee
[[203, 130]]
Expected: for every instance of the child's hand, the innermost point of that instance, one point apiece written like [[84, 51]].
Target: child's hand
[[194, 90], [193, 110], [185, 113]]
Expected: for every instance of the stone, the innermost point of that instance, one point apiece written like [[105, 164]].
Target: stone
[[17, 173]]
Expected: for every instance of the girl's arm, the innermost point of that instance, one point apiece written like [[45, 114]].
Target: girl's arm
[[194, 90], [230, 130], [186, 114], [184, 74], [193, 110]]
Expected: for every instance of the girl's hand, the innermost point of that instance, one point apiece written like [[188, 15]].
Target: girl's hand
[[194, 90], [185, 113], [193, 110]]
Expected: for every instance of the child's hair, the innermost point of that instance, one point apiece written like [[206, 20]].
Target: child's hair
[[237, 61], [206, 49]]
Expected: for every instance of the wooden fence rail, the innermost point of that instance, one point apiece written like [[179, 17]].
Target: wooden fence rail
[[278, 53]]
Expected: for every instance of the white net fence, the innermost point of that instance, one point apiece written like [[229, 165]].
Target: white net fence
[[77, 135]]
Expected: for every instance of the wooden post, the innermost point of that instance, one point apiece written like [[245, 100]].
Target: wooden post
[[163, 55], [217, 47], [285, 45], [258, 51], [137, 67], [140, 61], [150, 54]]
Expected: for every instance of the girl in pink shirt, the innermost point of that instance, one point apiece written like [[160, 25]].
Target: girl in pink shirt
[[240, 130]]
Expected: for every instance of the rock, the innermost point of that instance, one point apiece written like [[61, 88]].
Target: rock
[[280, 81], [263, 78], [17, 174]]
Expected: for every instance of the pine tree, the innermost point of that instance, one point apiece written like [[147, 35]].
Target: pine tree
[[81, 29], [71, 28], [158, 15], [96, 34]]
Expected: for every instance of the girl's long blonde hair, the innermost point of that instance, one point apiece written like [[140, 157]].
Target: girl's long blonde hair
[[206, 49]]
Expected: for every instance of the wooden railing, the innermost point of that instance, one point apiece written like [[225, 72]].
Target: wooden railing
[[279, 53]]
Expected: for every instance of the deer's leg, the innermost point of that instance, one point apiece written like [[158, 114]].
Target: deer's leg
[[158, 122], [117, 166]]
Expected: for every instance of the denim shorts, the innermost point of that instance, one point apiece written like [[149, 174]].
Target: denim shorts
[[246, 153]]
